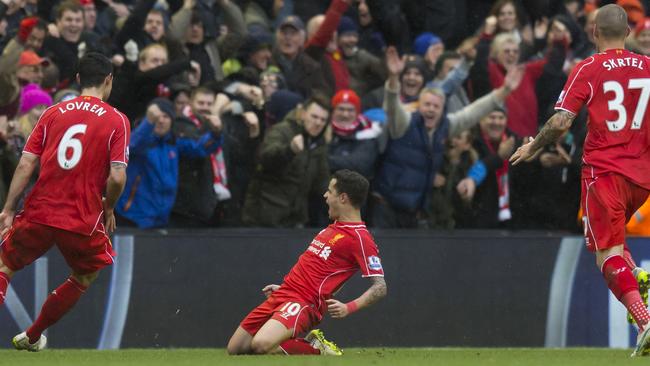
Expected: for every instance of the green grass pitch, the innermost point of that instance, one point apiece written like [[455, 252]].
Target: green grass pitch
[[353, 356]]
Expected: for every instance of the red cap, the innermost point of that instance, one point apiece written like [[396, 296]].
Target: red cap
[[347, 96], [25, 28], [30, 58], [86, 2]]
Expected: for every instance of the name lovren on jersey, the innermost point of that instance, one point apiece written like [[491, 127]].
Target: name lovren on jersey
[[622, 62], [82, 106]]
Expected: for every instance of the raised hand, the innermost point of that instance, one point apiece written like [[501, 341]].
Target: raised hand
[[153, 113], [394, 63], [490, 25]]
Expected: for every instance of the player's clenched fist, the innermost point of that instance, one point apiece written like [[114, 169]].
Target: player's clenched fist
[[336, 308]]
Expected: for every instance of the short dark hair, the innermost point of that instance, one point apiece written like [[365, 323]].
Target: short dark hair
[[353, 184], [319, 98], [447, 55], [93, 68], [68, 5]]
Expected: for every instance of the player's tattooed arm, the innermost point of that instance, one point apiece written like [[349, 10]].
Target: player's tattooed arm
[[557, 125], [377, 290], [373, 294]]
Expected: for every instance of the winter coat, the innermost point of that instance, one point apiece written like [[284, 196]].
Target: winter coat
[[278, 193], [152, 174]]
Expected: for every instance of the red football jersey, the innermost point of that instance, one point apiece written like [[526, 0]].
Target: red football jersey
[[76, 141], [333, 256], [615, 86]]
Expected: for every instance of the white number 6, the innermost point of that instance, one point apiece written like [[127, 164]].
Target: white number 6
[[68, 141]]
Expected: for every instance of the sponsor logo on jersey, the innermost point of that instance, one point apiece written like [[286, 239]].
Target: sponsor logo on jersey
[[325, 253], [336, 238], [374, 263]]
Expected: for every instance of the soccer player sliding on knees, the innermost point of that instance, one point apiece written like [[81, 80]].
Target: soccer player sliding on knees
[[615, 86], [299, 304], [65, 208]]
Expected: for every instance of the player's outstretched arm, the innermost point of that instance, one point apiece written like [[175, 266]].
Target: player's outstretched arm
[[557, 125], [114, 187], [26, 166], [376, 292]]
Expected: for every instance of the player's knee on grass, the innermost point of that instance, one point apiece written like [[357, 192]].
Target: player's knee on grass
[[237, 346], [85, 279], [262, 346]]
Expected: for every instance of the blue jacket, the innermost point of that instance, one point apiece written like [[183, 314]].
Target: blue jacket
[[152, 174], [410, 163]]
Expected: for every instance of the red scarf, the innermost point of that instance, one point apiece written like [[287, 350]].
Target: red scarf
[[502, 181], [339, 70], [219, 177]]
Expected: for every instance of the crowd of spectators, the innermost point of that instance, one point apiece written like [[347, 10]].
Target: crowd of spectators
[[241, 109]]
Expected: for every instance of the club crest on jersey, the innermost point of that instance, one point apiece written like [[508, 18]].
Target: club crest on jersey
[[336, 238], [374, 263]]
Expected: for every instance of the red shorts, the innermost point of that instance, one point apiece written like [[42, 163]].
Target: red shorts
[[608, 202], [27, 241], [290, 310]]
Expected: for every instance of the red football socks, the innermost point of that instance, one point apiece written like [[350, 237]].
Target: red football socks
[[633, 302], [55, 307], [4, 283], [298, 346], [623, 285]]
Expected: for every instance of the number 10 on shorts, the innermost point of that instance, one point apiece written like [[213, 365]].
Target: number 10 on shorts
[[290, 309]]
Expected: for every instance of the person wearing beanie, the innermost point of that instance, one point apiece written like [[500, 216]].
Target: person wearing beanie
[[354, 144], [412, 79], [194, 26], [428, 46], [254, 53], [31, 34], [366, 70], [281, 103], [256, 50], [152, 174], [33, 101], [348, 36]]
